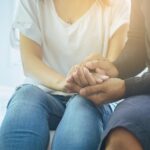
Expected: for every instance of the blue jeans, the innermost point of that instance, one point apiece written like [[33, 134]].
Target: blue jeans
[[32, 113]]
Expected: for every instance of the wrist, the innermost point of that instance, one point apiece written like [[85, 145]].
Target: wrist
[[61, 85], [58, 84]]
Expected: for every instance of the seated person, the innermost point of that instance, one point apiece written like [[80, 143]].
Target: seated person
[[128, 128], [56, 35]]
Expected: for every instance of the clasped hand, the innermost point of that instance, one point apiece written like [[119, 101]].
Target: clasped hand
[[96, 80]]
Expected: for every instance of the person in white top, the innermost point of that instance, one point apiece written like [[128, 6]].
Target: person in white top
[[57, 39]]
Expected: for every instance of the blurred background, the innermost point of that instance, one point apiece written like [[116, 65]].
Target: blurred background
[[11, 73]]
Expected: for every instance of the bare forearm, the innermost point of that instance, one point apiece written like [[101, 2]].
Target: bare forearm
[[39, 71], [117, 42], [34, 67]]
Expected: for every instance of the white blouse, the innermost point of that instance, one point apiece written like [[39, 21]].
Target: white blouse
[[63, 44]]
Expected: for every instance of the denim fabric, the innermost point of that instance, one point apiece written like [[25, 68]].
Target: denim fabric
[[31, 113]]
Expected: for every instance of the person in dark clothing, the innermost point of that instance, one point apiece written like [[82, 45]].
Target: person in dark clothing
[[128, 128]]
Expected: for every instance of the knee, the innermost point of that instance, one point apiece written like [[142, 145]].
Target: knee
[[122, 139], [26, 104], [114, 141], [78, 102], [28, 94], [81, 116]]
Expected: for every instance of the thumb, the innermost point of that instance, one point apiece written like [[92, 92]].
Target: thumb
[[90, 90]]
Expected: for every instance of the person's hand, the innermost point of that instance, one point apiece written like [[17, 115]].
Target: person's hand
[[80, 77], [108, 91], [105, 65], [69, 80]]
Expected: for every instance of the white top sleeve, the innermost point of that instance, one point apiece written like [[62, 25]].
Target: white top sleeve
[[120, 14], [26, 20]]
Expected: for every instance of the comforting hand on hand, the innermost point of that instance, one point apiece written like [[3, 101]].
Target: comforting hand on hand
[[108, 91], [105, 65], [80, 77], [92, 81]]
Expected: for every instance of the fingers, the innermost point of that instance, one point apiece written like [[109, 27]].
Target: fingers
[[89, 77], [72, 88], [82, 77], [70, 79], [101, 64], [90, 90], [100, 77], [76, 79], [100, 71], [98, 99], [79, 77]]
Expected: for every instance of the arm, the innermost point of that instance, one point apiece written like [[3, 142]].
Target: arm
[[31, 54], [114, 89], [130, 62], [117, 42], [133, 58], [137, 85]]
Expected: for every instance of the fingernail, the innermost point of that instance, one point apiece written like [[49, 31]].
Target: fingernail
[[103, 77], [99, 80]]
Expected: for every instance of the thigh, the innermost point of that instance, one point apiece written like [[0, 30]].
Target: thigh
[[81, 126], [82, 123], [105, 112], [133, 115], [56, 108], [32, 102], [86, 113]]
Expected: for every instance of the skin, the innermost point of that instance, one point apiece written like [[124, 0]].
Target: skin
[[121, 139], [110, 89], [67, 9], [92, 80], [84, 77], [34, 67], [31, 52], [98, 70]]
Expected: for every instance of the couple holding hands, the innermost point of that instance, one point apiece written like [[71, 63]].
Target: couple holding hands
[[71, 88]]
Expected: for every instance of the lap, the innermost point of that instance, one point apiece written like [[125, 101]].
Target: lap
[[29, 99], [133, 115], [84, 109]]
